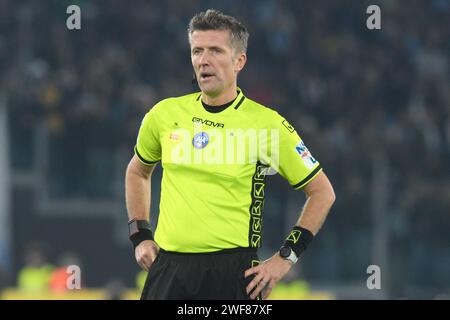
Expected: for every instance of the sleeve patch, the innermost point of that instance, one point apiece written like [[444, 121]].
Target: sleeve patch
[[306, 156]]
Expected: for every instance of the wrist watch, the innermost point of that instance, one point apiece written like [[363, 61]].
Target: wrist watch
[[288, 254]]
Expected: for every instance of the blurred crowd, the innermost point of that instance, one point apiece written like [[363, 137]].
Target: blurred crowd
[[39, 278], [360, 99]]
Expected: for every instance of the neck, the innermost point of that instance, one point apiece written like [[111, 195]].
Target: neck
[[221, 99]]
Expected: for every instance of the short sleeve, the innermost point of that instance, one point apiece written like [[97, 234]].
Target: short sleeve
[[291, 157], [148, 146]]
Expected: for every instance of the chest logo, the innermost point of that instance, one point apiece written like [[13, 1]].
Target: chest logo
[[208, 122], [200, 140]]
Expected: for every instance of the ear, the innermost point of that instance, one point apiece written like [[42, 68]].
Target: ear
[[240, 62]]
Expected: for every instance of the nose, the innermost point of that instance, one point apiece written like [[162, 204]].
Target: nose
[[204, 58]]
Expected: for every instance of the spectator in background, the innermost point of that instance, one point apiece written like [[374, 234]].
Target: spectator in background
[[60, 276], [36, 273]]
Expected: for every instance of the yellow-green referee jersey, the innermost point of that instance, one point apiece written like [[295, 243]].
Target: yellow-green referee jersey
[[215, 166]]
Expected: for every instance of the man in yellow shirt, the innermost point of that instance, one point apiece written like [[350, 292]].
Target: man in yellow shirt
[[216, 148]]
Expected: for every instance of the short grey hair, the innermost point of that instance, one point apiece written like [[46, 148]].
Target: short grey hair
[[215, 20]]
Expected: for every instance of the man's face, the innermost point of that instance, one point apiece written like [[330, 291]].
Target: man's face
[[215, 63]]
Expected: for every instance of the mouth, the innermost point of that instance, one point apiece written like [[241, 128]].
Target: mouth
[[206, 75]]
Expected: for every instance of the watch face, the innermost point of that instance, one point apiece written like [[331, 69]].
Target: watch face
[[285, 252]]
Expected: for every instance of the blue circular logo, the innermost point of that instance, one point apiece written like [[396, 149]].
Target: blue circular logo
[[200, 140]]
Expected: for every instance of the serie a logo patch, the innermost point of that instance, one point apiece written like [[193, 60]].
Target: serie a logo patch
[[306, 156]]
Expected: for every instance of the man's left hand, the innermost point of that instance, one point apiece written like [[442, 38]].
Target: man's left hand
[[268, 273]]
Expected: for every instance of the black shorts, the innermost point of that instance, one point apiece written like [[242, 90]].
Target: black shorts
[[206, 276]]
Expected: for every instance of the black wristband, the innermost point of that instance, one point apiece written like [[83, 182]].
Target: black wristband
[[298, 240], [138, 231], [140, 236]]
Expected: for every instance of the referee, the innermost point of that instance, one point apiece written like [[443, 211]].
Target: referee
[[216, 148]]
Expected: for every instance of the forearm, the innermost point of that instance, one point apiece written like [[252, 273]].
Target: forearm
[[316, 210], [137, 195]]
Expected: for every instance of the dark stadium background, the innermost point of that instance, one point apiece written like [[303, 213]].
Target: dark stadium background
[[372, 105]]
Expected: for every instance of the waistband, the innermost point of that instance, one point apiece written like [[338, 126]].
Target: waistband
[[223, 251]]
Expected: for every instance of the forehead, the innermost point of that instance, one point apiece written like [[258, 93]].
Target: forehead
[[209, 38]]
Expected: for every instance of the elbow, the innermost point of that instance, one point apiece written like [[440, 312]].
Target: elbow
[[331, 196]]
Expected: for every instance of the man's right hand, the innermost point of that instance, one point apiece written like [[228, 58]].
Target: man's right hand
[[146, 253]]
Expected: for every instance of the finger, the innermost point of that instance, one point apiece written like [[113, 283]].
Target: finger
[[145, 262], [154, 255], [268, 289], [252, 271], [254, 282], [143, 266], [148, 261], [150, 250], [145, 259], [261, 285]]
